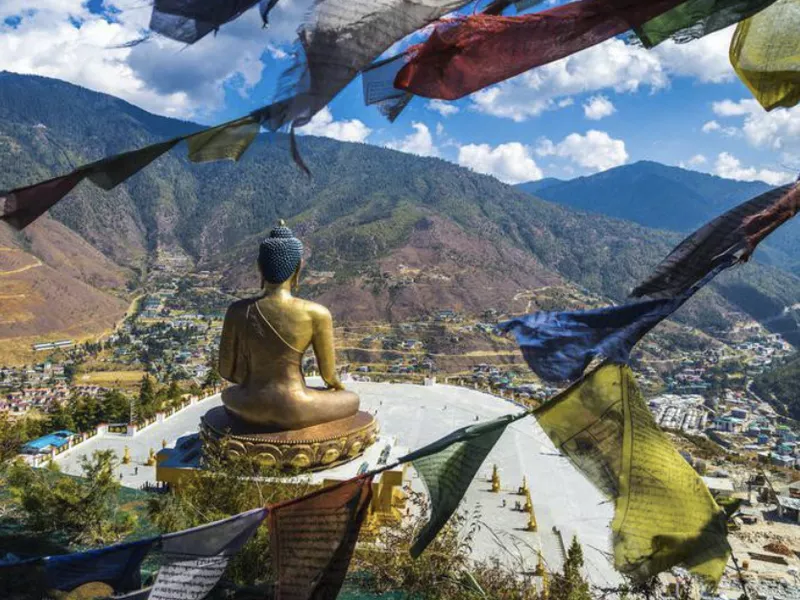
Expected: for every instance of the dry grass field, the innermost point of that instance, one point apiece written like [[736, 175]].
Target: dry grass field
[[115, 379]]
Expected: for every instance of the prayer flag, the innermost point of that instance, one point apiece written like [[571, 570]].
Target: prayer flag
[[378, 82], [210, 11], [264, 8], [229, 140], [761, 224], [737, 231], [447, 466], [180, 29], [765, 53], [195, 559], [338, 40], [466, 54], [312, 539], [143, 594], [664, 515], [22, 206], [110, 172], [558, 346], [118, 566], [191, 20], [21, 578], [696, 18]]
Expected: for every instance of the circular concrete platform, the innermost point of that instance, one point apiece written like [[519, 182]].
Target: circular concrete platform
[[318, 447]]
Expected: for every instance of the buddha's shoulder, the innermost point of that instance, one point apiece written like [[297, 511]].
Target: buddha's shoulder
[[240, 307], [313, 309]]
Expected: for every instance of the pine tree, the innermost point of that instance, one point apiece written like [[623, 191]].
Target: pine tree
[[570, 585]]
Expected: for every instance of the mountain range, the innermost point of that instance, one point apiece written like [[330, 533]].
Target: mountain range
[[388, 235], [670, 198]]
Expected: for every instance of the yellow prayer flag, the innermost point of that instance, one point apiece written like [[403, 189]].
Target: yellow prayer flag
[[664, 514], [765, 52], [229, 140]]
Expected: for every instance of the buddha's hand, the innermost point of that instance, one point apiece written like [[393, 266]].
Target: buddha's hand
[[335, 385]]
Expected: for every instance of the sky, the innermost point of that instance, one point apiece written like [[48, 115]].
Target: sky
[[613, 104]]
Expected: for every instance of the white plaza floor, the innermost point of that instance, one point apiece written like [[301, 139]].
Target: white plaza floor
[[414, 415]]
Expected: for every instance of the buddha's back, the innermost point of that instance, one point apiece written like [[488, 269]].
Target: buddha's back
[[261, 350]]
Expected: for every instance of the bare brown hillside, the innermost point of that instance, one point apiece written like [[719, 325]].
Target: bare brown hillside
[[53, 285]]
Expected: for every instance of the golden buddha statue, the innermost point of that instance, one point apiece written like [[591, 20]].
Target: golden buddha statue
[[262, 346], [270, 413]]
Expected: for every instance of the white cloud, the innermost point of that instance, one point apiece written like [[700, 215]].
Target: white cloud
[[159, 75], [705, 59], [420, 142], [697, 160], [596, 150], [345, 131], [776, 130], [729, 108], [598, 107], [510, 163], [443, 108], [711, 126], [730, 167], [612, 64]]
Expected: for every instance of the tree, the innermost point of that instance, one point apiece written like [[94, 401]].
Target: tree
[[84, 510], [69, 372], [174, 391], [12, 436], [115, 407], [147, 397], [60, 418], [570, 585], [213, 379], [86, 412]]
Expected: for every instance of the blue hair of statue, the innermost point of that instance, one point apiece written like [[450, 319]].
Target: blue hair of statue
[[279, 255]]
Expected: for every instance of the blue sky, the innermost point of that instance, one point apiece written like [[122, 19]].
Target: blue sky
[[609, 105]]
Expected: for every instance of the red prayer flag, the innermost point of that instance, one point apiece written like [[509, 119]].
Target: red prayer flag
[[22, 206], [313, 539], [466, 54], [760, 225]]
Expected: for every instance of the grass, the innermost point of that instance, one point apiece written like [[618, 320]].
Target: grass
[[110, 378]]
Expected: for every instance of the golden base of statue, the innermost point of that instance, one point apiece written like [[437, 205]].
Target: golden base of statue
[[310, 449]]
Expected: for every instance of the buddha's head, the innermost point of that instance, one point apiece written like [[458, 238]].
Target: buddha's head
[[280, 256]]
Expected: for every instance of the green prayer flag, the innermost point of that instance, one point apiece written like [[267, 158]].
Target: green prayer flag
[[696, 18], [765, 53], [110, 172], [664, 514], [229, 140], [447, 467]]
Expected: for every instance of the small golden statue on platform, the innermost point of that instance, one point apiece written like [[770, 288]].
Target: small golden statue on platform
[[270, 412], [528, 506], [495, 480], [126, 456], [532, 526], [523, 490]]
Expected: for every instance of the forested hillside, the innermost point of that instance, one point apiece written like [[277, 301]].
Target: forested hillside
[[402, 234]]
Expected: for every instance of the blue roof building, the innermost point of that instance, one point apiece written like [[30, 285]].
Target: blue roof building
[[46, 443]]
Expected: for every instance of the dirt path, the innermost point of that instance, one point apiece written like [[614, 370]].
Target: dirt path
[[38, 263]]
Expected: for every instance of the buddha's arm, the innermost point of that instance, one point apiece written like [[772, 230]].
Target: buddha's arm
[[231, 365], [323, 347]]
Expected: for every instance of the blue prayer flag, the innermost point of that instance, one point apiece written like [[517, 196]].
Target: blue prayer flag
[[558, 346], [118, 566]]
